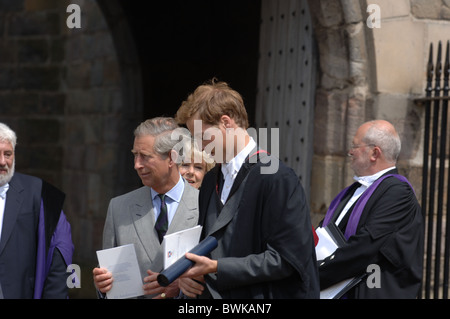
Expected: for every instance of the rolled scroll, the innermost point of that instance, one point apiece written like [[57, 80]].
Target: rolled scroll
[[171, 273]]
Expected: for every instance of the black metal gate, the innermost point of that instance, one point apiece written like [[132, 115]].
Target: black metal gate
[[436, 177]]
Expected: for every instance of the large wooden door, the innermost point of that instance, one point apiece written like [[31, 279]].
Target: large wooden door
[[286, 82]]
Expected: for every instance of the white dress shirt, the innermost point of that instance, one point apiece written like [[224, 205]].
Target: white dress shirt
[[366, 182], [231, 169]]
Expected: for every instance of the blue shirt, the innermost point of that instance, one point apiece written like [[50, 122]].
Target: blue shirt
[[172, 200]]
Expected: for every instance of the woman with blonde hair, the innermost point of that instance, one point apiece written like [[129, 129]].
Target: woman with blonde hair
[[195, 164]]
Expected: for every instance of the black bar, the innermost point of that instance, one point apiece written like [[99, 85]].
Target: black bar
[[437, 259], [447, 231], [426, 151], [432, 197]]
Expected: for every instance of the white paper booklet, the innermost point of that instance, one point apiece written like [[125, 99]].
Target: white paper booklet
[[179, 243], [326, 246], [122, 263]]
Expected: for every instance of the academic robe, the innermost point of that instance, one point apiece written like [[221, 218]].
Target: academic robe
[[36, 245], [390, 235], [265, 242]]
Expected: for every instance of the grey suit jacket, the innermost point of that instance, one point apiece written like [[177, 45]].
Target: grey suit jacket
[[131, 220]]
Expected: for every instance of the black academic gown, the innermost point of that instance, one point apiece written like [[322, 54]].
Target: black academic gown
[[36, 244], [265, 243], [390, 235]]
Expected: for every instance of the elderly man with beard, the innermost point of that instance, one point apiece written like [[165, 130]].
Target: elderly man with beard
[[36, 243]]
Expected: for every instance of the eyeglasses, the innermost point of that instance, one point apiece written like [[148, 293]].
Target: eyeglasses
[[353, 147]]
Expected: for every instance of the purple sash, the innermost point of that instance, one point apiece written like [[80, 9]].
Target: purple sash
[[61, 239], [353, 221]]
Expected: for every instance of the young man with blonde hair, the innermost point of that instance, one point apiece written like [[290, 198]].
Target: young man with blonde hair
[[261, 221]]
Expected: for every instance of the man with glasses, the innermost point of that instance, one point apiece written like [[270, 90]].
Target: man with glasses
[[379, 217]]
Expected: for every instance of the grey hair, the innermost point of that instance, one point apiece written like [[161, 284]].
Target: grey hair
[[389, 142], [8, 135], [161, 128]]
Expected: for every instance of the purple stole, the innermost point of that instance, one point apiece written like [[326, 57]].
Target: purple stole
[[61, 239], [353, 221]]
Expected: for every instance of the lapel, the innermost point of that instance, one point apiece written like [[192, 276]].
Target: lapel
[[231, 206], [245, 168], [344, 201], [187, 211], [12, 210], [143, 216], [207, 191], [229, 210]]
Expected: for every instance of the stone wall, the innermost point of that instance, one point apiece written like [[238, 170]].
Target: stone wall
[[32, 67], [62, 91], [344, 94]]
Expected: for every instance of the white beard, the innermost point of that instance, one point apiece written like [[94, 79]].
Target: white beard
[[6, 178]]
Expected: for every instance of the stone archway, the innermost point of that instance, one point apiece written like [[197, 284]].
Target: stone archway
[[103, 105], [344, 93]]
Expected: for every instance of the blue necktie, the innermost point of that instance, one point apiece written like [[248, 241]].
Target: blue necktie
[[162, 224]]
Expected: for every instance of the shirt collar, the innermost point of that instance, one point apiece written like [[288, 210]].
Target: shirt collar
[[368, 180], [236, 162], [175, 193]]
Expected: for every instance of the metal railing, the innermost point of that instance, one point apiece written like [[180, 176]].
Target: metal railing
[[435, 184]]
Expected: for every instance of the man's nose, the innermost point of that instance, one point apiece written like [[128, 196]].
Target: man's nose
[[137, 163], [2, 159]]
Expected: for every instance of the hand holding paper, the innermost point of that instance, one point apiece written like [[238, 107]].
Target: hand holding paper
[[122, 263], [102, 279]]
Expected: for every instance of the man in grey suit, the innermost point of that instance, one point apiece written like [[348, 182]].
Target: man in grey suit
[[136, 217]]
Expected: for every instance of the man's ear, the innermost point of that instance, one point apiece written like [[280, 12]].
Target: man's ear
[[226, 121], [376, 153], [173, 158]]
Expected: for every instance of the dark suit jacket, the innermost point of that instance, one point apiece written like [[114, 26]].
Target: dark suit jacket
[[19, 240], [265, 243], [390, 235]]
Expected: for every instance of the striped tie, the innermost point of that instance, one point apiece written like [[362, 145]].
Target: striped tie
[[162, 224]]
